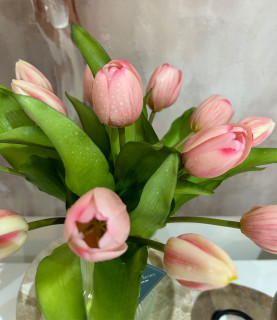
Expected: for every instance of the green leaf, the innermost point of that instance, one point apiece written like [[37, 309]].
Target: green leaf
[[179, 130], [117, 285], [141, 130], [11, 114], [93, 52], [92, 125], [135, 164], [11, 171], [36, 167], [155, 202], [85, 165], [30, 135], [145, 100], [187, 187], [7, 89], [59, 286]]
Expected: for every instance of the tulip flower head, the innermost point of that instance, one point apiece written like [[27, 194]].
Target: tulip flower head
[[214, 111], [213, 151], [117, 94], [97, 226], [33, 90], [27, 72], [88, 84], [261, 128], [13, 232], [260, 225], [198, 263], [166, 82]]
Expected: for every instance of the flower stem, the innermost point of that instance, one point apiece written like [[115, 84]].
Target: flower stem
[[150, 243], [152, 116], [216, 222], [121, 132], [179, 144], [45, 222]]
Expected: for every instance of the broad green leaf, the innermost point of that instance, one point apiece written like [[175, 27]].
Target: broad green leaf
[[33, 163], [94, 54], [141, 130], [59, 286], [85, 165], [11, 114], [117, 285], [7, 89], [179, 130], [11, 171], [155, 202], [30, 135], [188, 187], [92, 125], [135, 164]]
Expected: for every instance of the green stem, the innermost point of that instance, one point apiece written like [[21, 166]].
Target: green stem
[[45, 222], [121, 132], [216, 222], [152, 116], [150, 243]]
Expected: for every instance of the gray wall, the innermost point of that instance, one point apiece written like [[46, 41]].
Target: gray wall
[[222, 46]]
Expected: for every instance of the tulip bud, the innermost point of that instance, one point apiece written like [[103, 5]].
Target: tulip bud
[[198, 263], [26, 71], [214, 111], [97, 226], [261, 128], [213, 151], [13, 232], [260, 225], [30, 89], [88, 84], [117, 94], [166, 82]]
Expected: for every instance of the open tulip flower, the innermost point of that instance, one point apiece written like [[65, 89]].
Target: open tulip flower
[[260, 225], [213, 151], [198, 263], [97, 226], [13, 232], [120, 182]]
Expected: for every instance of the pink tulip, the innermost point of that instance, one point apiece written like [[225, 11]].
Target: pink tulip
[[33, 90], [260, 225], [166, 82], [97, 226], [198, 263], [117, 94], [88, 84], [261, 128], [27, 72], [214, 111], [213, 151], [13, 232]]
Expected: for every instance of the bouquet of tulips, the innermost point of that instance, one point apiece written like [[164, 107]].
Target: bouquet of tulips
[[120, 182]]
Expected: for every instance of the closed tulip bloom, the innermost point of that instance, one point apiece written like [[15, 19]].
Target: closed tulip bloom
[[213, 151], [13, 232], [97, 226], [214, 111], [27, 72], [261, 128], [33, 90], [260, 225], [88, 84], [166, 82], [198, 263], [117, 94]]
